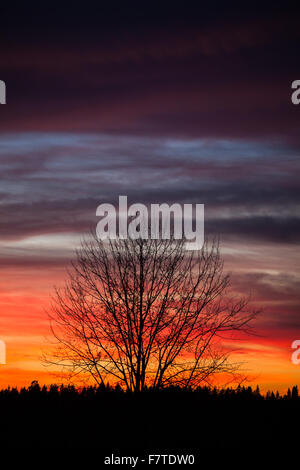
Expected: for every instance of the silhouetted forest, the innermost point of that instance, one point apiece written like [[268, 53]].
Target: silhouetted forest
[[110, 420]]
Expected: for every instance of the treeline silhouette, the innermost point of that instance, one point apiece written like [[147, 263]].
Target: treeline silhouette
[[109, 419], [62, 391]]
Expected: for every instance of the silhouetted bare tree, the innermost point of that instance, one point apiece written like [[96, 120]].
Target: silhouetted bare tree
[[146, 313]]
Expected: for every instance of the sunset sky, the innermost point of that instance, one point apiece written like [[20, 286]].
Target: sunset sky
[[185, 106]]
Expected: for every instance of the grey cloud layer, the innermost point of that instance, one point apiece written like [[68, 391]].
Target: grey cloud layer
[[53, 182]]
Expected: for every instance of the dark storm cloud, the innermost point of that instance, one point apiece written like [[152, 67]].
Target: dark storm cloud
[[277, 293], [136, 74], [281, 320], [278, 229]]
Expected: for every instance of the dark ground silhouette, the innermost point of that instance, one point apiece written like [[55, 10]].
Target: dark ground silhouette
[[110, 420]]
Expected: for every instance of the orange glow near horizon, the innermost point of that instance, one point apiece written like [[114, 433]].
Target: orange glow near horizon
[[25, 298]]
